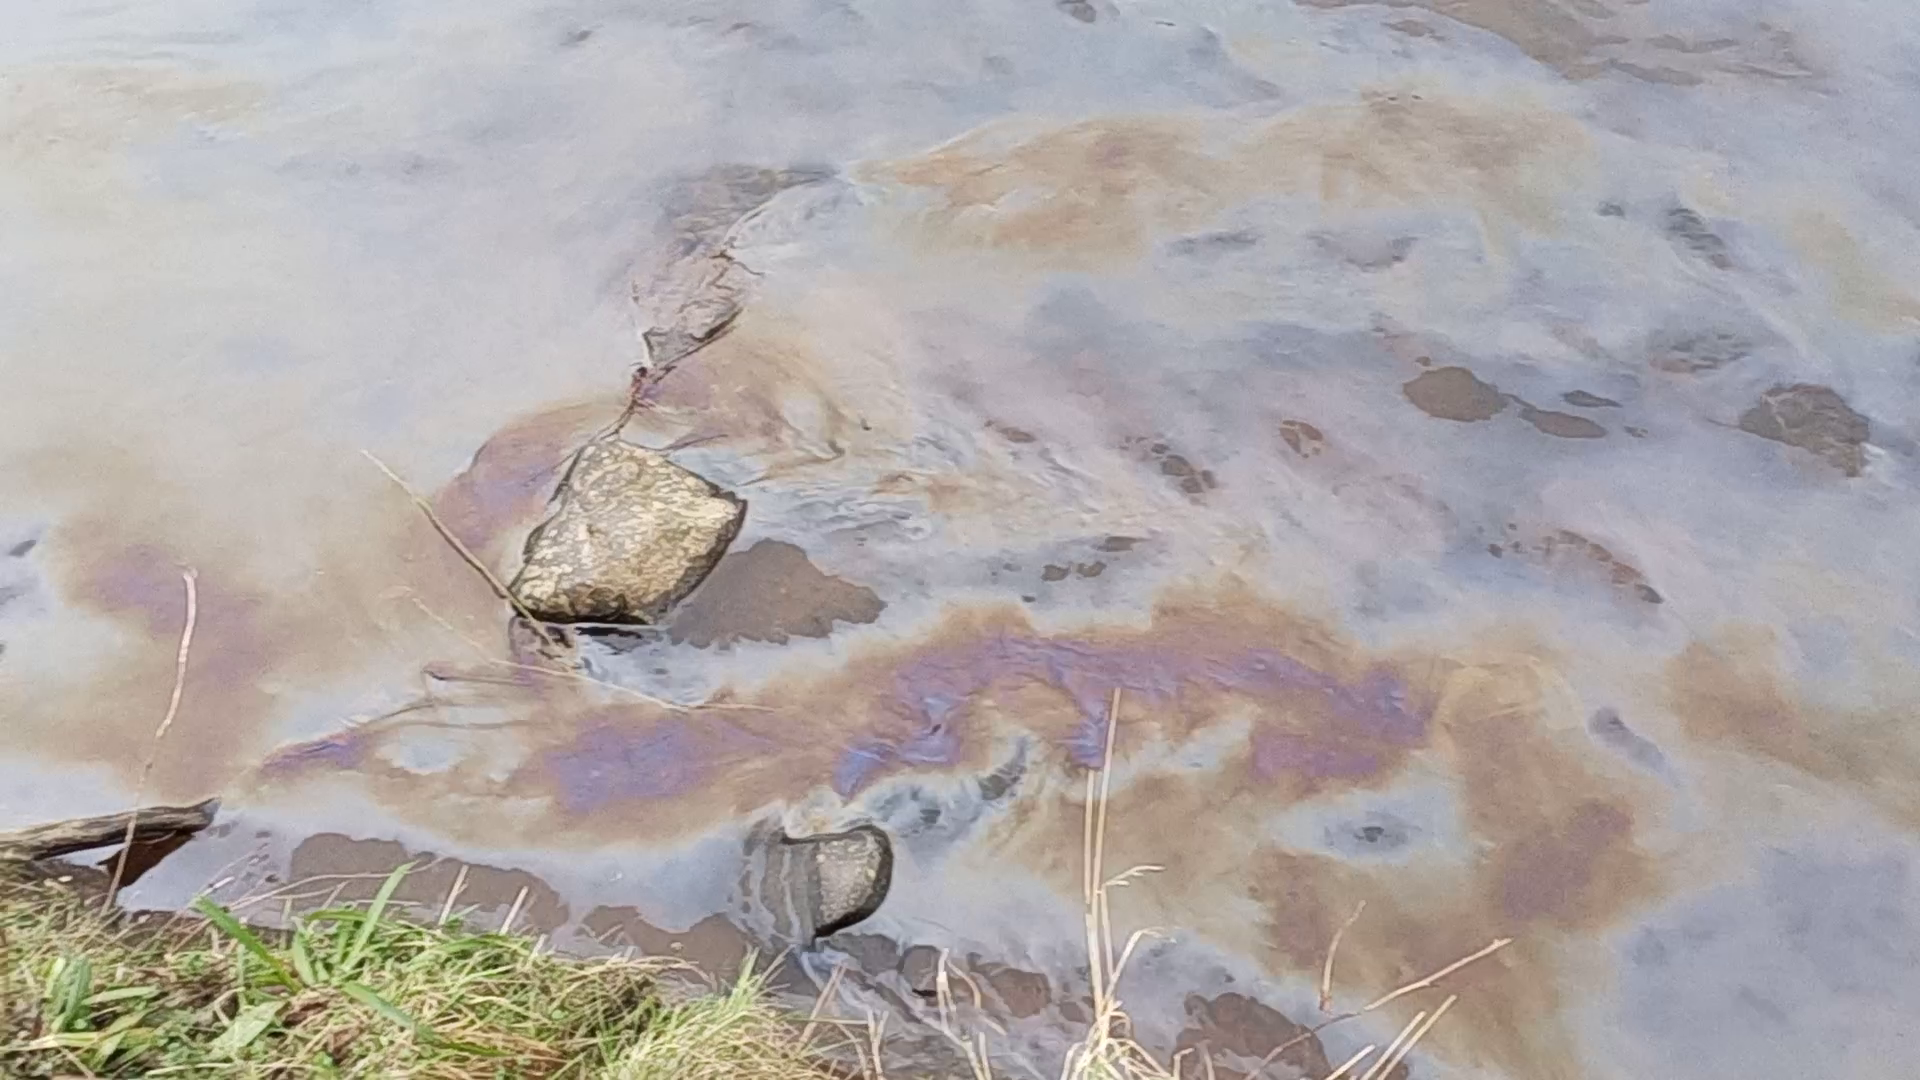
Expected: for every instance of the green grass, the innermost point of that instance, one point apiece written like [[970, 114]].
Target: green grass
[[352, 992]]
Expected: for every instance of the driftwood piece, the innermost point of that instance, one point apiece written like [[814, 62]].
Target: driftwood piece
[[154, 824]]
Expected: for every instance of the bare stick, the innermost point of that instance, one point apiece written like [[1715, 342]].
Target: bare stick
[[1100, 838], [555, 673], [1420, 1033], [1418, 984], [1350, 1063], [1326, 972], [820, 1003], [499, 587], [1422, 984], [190, 578], [514, 911], [1388, 1054], [446, 909]]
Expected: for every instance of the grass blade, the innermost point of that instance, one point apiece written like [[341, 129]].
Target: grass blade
[[364, 994], [372, 921], [223, 919], [303, 964], [125, 993], [248, 1024], [67, 992]]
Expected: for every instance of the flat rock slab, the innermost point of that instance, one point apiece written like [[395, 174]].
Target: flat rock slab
[[633, 534]]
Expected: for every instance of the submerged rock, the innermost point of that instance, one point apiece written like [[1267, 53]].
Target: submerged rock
[[633, 534], [817, 885], [1813, 418]]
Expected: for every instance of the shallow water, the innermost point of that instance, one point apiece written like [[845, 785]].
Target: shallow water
[[1478, 439]]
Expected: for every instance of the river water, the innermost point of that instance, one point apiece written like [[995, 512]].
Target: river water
[[1477, 438]]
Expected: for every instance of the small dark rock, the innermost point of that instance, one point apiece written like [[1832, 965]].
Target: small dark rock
[[1580, 399], [1079, 9], [1813, 418], [1691, 231]]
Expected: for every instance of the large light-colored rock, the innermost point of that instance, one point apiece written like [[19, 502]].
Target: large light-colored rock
[[632, 535]]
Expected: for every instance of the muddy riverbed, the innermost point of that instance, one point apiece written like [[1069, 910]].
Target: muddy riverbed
[[1477, 438]]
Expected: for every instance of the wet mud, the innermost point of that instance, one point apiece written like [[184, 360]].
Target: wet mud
[[1476, 440]]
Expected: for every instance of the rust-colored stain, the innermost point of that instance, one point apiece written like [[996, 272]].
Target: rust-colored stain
[[1102, 189], [1729, 691]]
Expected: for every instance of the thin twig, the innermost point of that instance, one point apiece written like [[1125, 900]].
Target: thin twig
[[1326, 971], [1421, 984], [191, 579], [485, 658], [446, 909], [1393, 1047], [1418, 984], [1350, 1062], [499, 587], [1420, 1033], [514, 911], [820, 1003]]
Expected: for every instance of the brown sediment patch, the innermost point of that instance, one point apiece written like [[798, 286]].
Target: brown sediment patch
[[1561, 425], [1021, 993], [714, 945], [329, 867], [1580, 399], [1729, 691], [1454, 393], [1179, 470], [770, 592], [1570, 552], [1302, 438], [1812, 418], [1239, 1025]]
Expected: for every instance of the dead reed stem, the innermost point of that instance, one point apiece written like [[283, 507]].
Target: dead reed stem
[[1326, 972], [499, 587], [191, 579]]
